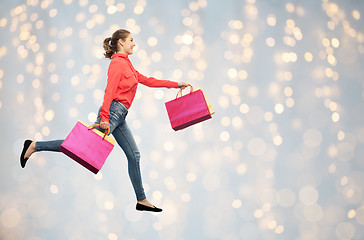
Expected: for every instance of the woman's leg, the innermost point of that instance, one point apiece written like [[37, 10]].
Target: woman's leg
[[31, 147], [125, 139], [48, 145]]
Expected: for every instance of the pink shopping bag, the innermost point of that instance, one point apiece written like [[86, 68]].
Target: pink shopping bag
[[187, 110], [87, 146]]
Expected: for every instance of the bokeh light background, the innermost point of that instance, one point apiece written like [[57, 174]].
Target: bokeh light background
[[282, 157]]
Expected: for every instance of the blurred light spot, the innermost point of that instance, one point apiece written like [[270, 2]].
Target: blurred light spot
[[138, 9], [3, 51], [152, 41], [356, 14], [236, 24], [108, 205], [313, 213], [111, 9], [359, 216], [253, 91], [3, 22], [36, 83], [236, 203], [19, 95], [112, 236], [251, 10], [308, 57], [168, 146], [279, 229], [73, 112], [345, 230], [158, 226], [187, 21], [277, 140], [93, 8], [120, 7], [75, 80], [289, 102], [325, 42], [56, 97], [156, 57], [335, 42], [308, 195], [191, 177], [186, 197], [98, 176], [271, 20], [241, 169], [232, 73], [225, 121], [351, 213], [52, 47], [312, 138], [258, 213], [53, 12], [335, 117], [290, 7], [223, 102], [237, 122], [289, 41], [268, 116], [54, 78], [10, 218], [187, 39], [234, 38], [332, 60], [332, 168], [157, 195], [270, 42], [286, 197], [279, 108], [80, 17], [45, 131], [257, 146], [289, 57], [54, 189], [288, 91], [79, 98], [224, 136]]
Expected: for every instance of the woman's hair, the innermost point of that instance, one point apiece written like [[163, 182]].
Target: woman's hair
[[111, 43]]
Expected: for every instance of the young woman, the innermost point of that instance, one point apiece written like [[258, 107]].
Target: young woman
[[120, 91]]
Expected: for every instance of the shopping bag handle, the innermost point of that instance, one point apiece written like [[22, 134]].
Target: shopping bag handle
[[180, 91], [93, 126]]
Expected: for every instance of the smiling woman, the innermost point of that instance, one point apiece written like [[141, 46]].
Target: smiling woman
[[120, 91]]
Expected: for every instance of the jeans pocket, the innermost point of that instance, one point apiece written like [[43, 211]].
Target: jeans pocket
[[117, 113]]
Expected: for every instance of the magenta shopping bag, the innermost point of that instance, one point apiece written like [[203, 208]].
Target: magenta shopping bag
[[188, 110], [87, 146]]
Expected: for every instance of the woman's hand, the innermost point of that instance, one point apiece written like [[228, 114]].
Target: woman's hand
[[182, 85], [104, 125]]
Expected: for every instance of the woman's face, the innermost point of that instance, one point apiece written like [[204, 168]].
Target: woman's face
[[127, 46]]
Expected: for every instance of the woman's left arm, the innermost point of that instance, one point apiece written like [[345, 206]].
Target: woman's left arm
[[153, 82]]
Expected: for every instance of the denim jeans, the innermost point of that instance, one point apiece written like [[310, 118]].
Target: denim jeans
[[125, 139]]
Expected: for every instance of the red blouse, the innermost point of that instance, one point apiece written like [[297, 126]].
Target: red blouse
[[122, 84]]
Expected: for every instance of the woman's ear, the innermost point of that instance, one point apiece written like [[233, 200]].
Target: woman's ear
[[121, 42]]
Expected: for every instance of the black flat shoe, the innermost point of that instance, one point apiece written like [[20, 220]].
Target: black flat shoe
[[141, 207], [23, 160]]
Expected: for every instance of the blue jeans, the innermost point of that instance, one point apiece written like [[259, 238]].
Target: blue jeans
[[125, 139]]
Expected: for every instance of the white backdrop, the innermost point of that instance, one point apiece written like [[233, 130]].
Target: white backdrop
[[282, 158]]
